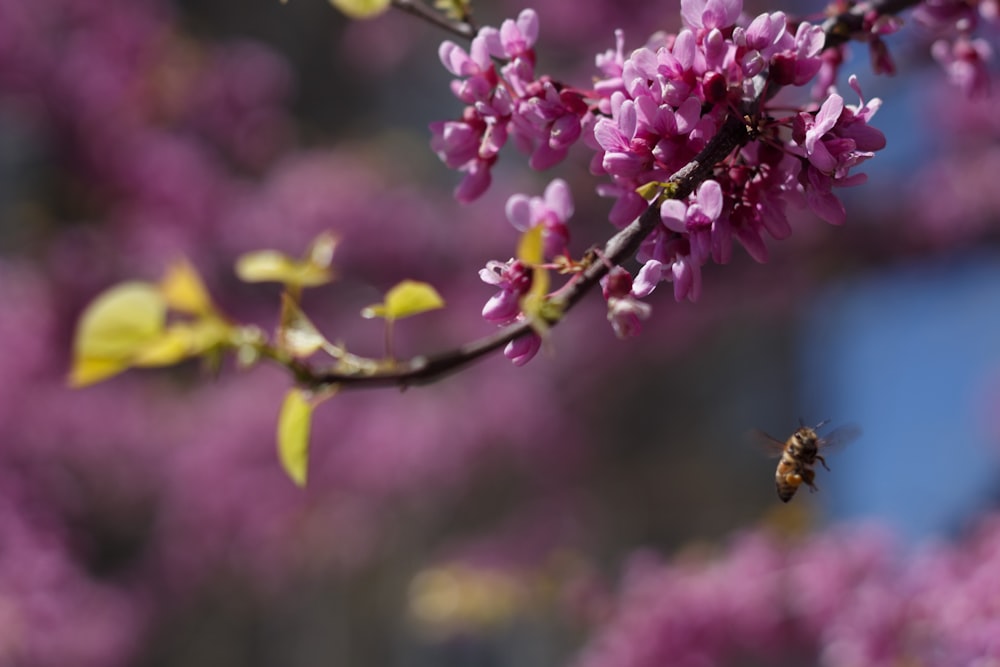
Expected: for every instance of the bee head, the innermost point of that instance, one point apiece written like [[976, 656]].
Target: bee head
[[806, 439]]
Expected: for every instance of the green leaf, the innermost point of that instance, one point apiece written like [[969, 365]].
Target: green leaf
[[182, 340], [453, 9], [650, 191], [531, 246], [361, 9], [409, 297], [273, 266], [530, 250], [320, 252], [114, 328], [184, 290], [297, 335], [294, 424]]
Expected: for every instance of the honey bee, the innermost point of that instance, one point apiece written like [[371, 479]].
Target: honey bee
[[800, 453]]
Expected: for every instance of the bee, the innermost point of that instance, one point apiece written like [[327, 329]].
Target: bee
[[800, 453]]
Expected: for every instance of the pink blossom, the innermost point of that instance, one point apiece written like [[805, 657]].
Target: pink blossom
[[965, 62], [709, 14], [522, 350], [626, 315], [514, 280], [552, 211]]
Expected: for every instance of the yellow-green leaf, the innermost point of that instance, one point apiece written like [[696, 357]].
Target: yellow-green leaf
[[183, 340], [294, 424], [530, 250], [171, 347], [650, 191], [321, 249], [87, 371], [114, 328], [453, 9], [410, 297], [273, 266], [531, 246], [361, 9], [184, 290], [297, 335]]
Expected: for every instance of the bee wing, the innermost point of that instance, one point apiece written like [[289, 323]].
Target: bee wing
[[767, 442], [840, 436]]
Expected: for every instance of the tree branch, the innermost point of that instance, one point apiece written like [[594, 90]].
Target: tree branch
[[841, 28], [619, 248], [422, 11]]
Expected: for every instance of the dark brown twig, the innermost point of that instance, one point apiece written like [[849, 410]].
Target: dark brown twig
[[422, 11], [843, 27]]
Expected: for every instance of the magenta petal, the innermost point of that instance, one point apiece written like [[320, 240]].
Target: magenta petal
[[821, 159], [626, 209], [684, 49], [760, 33], [691, 11], [518, 211], [683, 279], [545, 157], [609, 136], [523, 349], [753, 243], [559, 199], [827, 117], [827, 206], [475, 183], [721, 13], [645, 63], [673, 214], [648, 278], [527, 22], [688, 115], [455, 59], [565, 131], [710, 199], [488, 44], [501, 307], [627, 119], [722, 241]]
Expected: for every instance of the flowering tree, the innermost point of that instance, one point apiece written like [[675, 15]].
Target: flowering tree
[[695, 151], [706, 140]]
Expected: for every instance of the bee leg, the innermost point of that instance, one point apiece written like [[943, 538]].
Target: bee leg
[[807, 477], [823, 461]]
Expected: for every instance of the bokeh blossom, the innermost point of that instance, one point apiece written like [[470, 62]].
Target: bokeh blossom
[[847, 597], [553, 210]]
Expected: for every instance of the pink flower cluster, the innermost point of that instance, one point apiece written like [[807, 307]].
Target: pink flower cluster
[[964, 57], [671, 98], [650, 113], [513, 277], [844, 597], [544, 117]]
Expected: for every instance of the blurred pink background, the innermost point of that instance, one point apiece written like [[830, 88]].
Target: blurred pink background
[[493, 518]]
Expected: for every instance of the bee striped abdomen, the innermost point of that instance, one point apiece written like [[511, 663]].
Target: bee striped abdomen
[[788, 477]]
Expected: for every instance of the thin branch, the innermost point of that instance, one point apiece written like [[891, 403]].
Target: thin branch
[[619, 248], [841, 28], [422, 11]]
